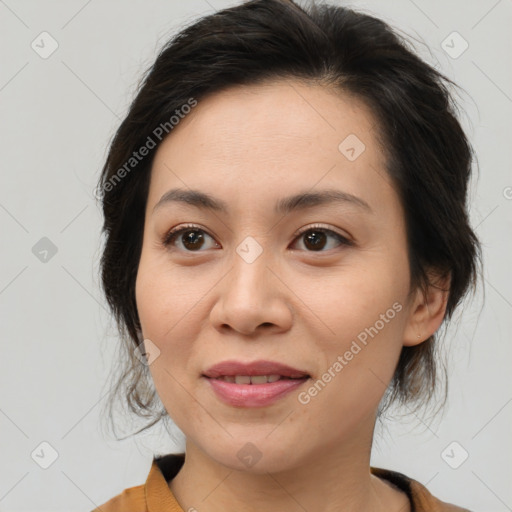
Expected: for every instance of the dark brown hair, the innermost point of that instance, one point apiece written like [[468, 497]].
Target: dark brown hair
[[428, 155]]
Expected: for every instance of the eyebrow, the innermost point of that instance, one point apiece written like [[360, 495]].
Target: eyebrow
[[283, 206]]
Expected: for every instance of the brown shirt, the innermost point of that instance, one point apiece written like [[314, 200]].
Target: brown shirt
[[156, 496]]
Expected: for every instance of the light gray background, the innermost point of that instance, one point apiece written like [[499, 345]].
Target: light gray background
[[58, 341]]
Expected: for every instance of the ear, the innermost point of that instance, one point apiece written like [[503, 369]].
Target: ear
[[427, 310]]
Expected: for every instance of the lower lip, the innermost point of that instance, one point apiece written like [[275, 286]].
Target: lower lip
[[253, 395]]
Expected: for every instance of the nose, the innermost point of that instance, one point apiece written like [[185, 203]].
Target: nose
[[252, 298]]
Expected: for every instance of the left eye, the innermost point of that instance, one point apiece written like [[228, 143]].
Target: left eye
[[317, 236], [193, 238]]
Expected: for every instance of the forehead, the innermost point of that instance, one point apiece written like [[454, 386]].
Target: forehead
[[271, 138]]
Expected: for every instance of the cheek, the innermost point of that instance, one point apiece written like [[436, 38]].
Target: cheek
[[356, 368], [348, 302], [363, 313], [165, 314], [171, 313], [164, 297]]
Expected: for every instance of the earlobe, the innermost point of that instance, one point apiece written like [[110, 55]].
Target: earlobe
[[428, 310]]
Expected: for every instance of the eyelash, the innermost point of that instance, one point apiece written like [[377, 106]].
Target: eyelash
[[171, 235]]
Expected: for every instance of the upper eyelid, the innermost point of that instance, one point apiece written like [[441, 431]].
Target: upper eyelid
[[320, 227]]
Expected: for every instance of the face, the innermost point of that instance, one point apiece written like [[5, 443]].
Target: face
[[321, 286]]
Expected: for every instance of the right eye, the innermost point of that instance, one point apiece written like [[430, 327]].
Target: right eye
[[192, 242]]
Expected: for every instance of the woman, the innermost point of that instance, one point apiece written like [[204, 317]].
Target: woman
[[286, 231]]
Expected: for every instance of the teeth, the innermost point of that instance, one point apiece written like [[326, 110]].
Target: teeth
[[260, 379], [246, 379]]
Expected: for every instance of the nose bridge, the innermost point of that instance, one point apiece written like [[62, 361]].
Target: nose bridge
[[251, 295], [250, 272]]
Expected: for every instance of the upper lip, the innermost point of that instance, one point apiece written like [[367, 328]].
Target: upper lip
[[261, 367]]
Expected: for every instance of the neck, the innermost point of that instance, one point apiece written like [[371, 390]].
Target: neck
[[331, 479]]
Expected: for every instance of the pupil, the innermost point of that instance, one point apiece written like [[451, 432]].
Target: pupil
[[315, 238], [190, 238]]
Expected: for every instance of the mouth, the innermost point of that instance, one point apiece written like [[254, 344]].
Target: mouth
[[256, 384], [257, 379], [254, 372], [253, 394]]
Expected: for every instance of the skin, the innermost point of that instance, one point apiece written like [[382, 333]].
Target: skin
[[200, 305]]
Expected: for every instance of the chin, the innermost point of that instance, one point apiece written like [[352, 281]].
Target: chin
[[252, 456]]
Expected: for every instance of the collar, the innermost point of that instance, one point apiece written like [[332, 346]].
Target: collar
[[165, 467]]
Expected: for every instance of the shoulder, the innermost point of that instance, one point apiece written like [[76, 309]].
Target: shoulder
[[132, 499], [424, 500], [420, 497], [154, 494]]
